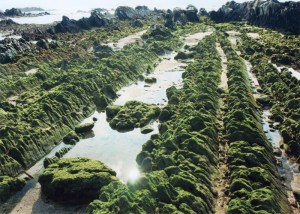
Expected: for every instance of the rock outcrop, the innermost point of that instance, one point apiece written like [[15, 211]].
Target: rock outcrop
[[128, 13], [133, 114], [75, 180], [191, 13], [7, 22], [17, 12], [270, 13], [72, 26], [9, 186], [10, 48], [180, 16], [13, 12]]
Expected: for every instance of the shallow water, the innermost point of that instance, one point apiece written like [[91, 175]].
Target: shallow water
[[115, 149], [288, 170], [7, 35], [294, 73], [273, 135], [168, 73], [53, 17]]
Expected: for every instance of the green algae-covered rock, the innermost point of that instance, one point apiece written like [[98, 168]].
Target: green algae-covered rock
[[112, 110], [86, 127], [71, 138], [49, 161], [147, 129], [62, 152], [75, 180], [150, 79], [133, 114], [9, 186]]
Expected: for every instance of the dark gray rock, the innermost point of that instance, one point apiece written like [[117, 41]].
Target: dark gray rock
[[13, 12], [168, 20], [203, 12], [270, 13], [99, 20], [7, 22], [72, 26], [10, 48], [43, 44], [179, 16], [191, 13], [159, 32], [143, 11], [128, 13], [124, 13], [138, 23]]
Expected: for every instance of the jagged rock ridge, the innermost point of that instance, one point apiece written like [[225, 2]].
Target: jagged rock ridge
[[269, 13]]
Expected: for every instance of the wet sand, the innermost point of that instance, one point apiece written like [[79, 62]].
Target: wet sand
[[126, 41], [31, 71], [193, 39], [221, 181], [224, 78]]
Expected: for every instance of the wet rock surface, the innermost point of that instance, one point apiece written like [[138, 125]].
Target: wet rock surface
[[9, 186], [77, 180], [132, 115]]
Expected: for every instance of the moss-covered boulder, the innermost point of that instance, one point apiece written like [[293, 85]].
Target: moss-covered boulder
[[75, 180], [86, 127], [112, 110], [71, 138], [150, 80], [133, 114], [147, 129], [49, 161], [9, 186]]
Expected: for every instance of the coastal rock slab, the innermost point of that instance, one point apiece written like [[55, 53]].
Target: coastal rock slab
[[75, 180]]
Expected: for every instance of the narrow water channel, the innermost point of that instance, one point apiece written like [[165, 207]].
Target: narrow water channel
[[289, 171], [293, 72], [115, 149]]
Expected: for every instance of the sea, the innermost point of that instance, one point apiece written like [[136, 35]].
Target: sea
[[76, 9]]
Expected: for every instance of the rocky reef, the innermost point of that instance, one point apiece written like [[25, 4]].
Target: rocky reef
[[181, 16], [283, 16], [12, 12], [73, 26], [132, 115], [178, 164], [283, 88], [49, 86], [76, 180], [22, 12], [52, 101], [254, 180], [140, 12]]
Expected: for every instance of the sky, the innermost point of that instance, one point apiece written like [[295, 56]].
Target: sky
[[89, 4]]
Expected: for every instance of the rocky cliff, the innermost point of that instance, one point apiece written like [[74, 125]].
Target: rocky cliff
[[269, 13]]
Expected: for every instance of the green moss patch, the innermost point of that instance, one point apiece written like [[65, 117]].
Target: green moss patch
[[133, 114], [9, 186], [75, 180]]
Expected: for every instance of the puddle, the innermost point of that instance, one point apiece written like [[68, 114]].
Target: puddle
[[115, 149], [31, 71], [293, 72]]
